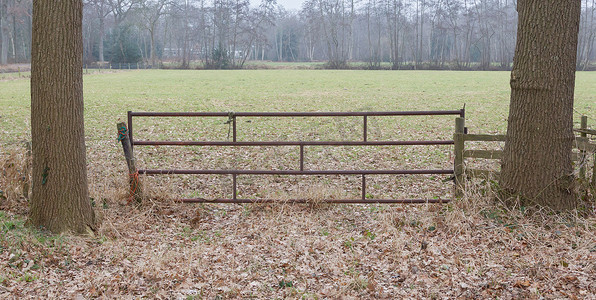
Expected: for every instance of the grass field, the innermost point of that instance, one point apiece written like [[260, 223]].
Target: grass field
[[486, 94], [467, 249]]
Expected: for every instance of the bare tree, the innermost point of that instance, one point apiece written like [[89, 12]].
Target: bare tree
[[258, 19], [374, 29], [151, 11], [395, 20], [102, 10], [182, 12], [587, 34], [336, 20], [239, 18], [312, 28], [419, 32], [453, 34], [121, 9], [5, 7]]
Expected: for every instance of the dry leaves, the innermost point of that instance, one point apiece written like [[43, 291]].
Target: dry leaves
[[296, 251]]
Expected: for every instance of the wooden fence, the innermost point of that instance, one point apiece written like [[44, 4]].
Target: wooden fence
[[584, 153]]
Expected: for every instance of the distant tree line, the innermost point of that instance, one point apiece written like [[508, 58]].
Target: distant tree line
[[397, 34]]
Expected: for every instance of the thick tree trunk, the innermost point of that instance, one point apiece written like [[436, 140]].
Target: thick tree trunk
[[537, 155], [60, 200]]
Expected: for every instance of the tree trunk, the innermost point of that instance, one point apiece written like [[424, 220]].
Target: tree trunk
[[13, 39], [185, 50], [60, 200], [152, 55], [102, 30], [537, 157], [4, 34]]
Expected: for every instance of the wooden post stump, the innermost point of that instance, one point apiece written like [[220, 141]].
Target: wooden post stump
[[133, 174]]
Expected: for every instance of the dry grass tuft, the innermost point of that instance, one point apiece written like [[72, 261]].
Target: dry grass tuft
[[15, 179]]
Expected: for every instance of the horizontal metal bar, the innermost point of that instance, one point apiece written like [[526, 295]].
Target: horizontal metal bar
[[298, 114], [294, 172], [347, 201], [292, 143]]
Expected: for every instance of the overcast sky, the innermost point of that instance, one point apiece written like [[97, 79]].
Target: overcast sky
[[291, 4]]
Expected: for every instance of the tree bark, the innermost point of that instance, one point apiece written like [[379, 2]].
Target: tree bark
[[102, 30], [4, 32], [60, 200], [152, 54], [537, 156]]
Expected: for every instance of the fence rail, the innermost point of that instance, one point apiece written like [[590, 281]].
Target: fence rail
[[582, 144], [295, 143], [118, 66]]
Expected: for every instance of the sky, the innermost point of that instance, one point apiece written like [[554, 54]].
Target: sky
[[291, 4]]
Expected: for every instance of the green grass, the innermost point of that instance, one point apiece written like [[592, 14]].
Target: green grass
[[109, 96], [16, 238], [25, 251]]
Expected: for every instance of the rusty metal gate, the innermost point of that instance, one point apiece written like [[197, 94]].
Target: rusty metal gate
[[232, 117]]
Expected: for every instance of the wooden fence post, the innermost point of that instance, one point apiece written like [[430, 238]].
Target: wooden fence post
[[594, 163], [594, 172], [582, 153], [458, 161], [133, 174]]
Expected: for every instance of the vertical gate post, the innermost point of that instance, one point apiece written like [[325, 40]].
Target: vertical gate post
[[582, 153], [458, 161], [233, 127], [365, 129], [129, 119], [594, 172], [363, 187], [593, 165], [133, 173], [234, 187]]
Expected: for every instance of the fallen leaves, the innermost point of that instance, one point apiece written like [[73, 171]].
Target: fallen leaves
[[521, 283], [309, 257]]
